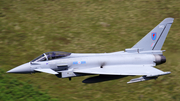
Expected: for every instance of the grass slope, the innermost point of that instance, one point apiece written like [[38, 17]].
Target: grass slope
[[12, 89], [29, 28]]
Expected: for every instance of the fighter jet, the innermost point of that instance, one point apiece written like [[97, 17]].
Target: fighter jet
[[139, 60]]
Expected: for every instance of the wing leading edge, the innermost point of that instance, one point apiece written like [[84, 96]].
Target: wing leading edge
[[123, 70]]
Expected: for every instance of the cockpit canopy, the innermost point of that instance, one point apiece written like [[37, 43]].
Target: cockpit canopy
[[51, 55]]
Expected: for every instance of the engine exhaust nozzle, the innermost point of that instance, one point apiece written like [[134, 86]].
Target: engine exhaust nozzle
[[160, 59]]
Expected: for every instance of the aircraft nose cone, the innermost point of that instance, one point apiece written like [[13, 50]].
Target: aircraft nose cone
[[25, 68]]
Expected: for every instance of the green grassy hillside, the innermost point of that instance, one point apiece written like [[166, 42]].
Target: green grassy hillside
[[12, 89], [29, 28]]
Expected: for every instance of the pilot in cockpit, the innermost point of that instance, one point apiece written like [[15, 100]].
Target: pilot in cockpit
[[51, 56]]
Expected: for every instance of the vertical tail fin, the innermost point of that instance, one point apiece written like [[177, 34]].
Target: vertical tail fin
[[154, 40]]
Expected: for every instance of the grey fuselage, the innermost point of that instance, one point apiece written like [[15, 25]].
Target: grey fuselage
[[80, 61], [66, 65]]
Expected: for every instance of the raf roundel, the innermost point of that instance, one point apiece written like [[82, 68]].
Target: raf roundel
[[153, 36]]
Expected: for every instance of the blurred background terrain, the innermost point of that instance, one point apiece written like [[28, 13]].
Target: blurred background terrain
[[29, 28]]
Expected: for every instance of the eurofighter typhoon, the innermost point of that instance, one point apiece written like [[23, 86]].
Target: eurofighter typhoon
[[139, 60]]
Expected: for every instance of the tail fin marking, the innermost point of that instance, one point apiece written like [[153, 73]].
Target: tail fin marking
[[154, 40]]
